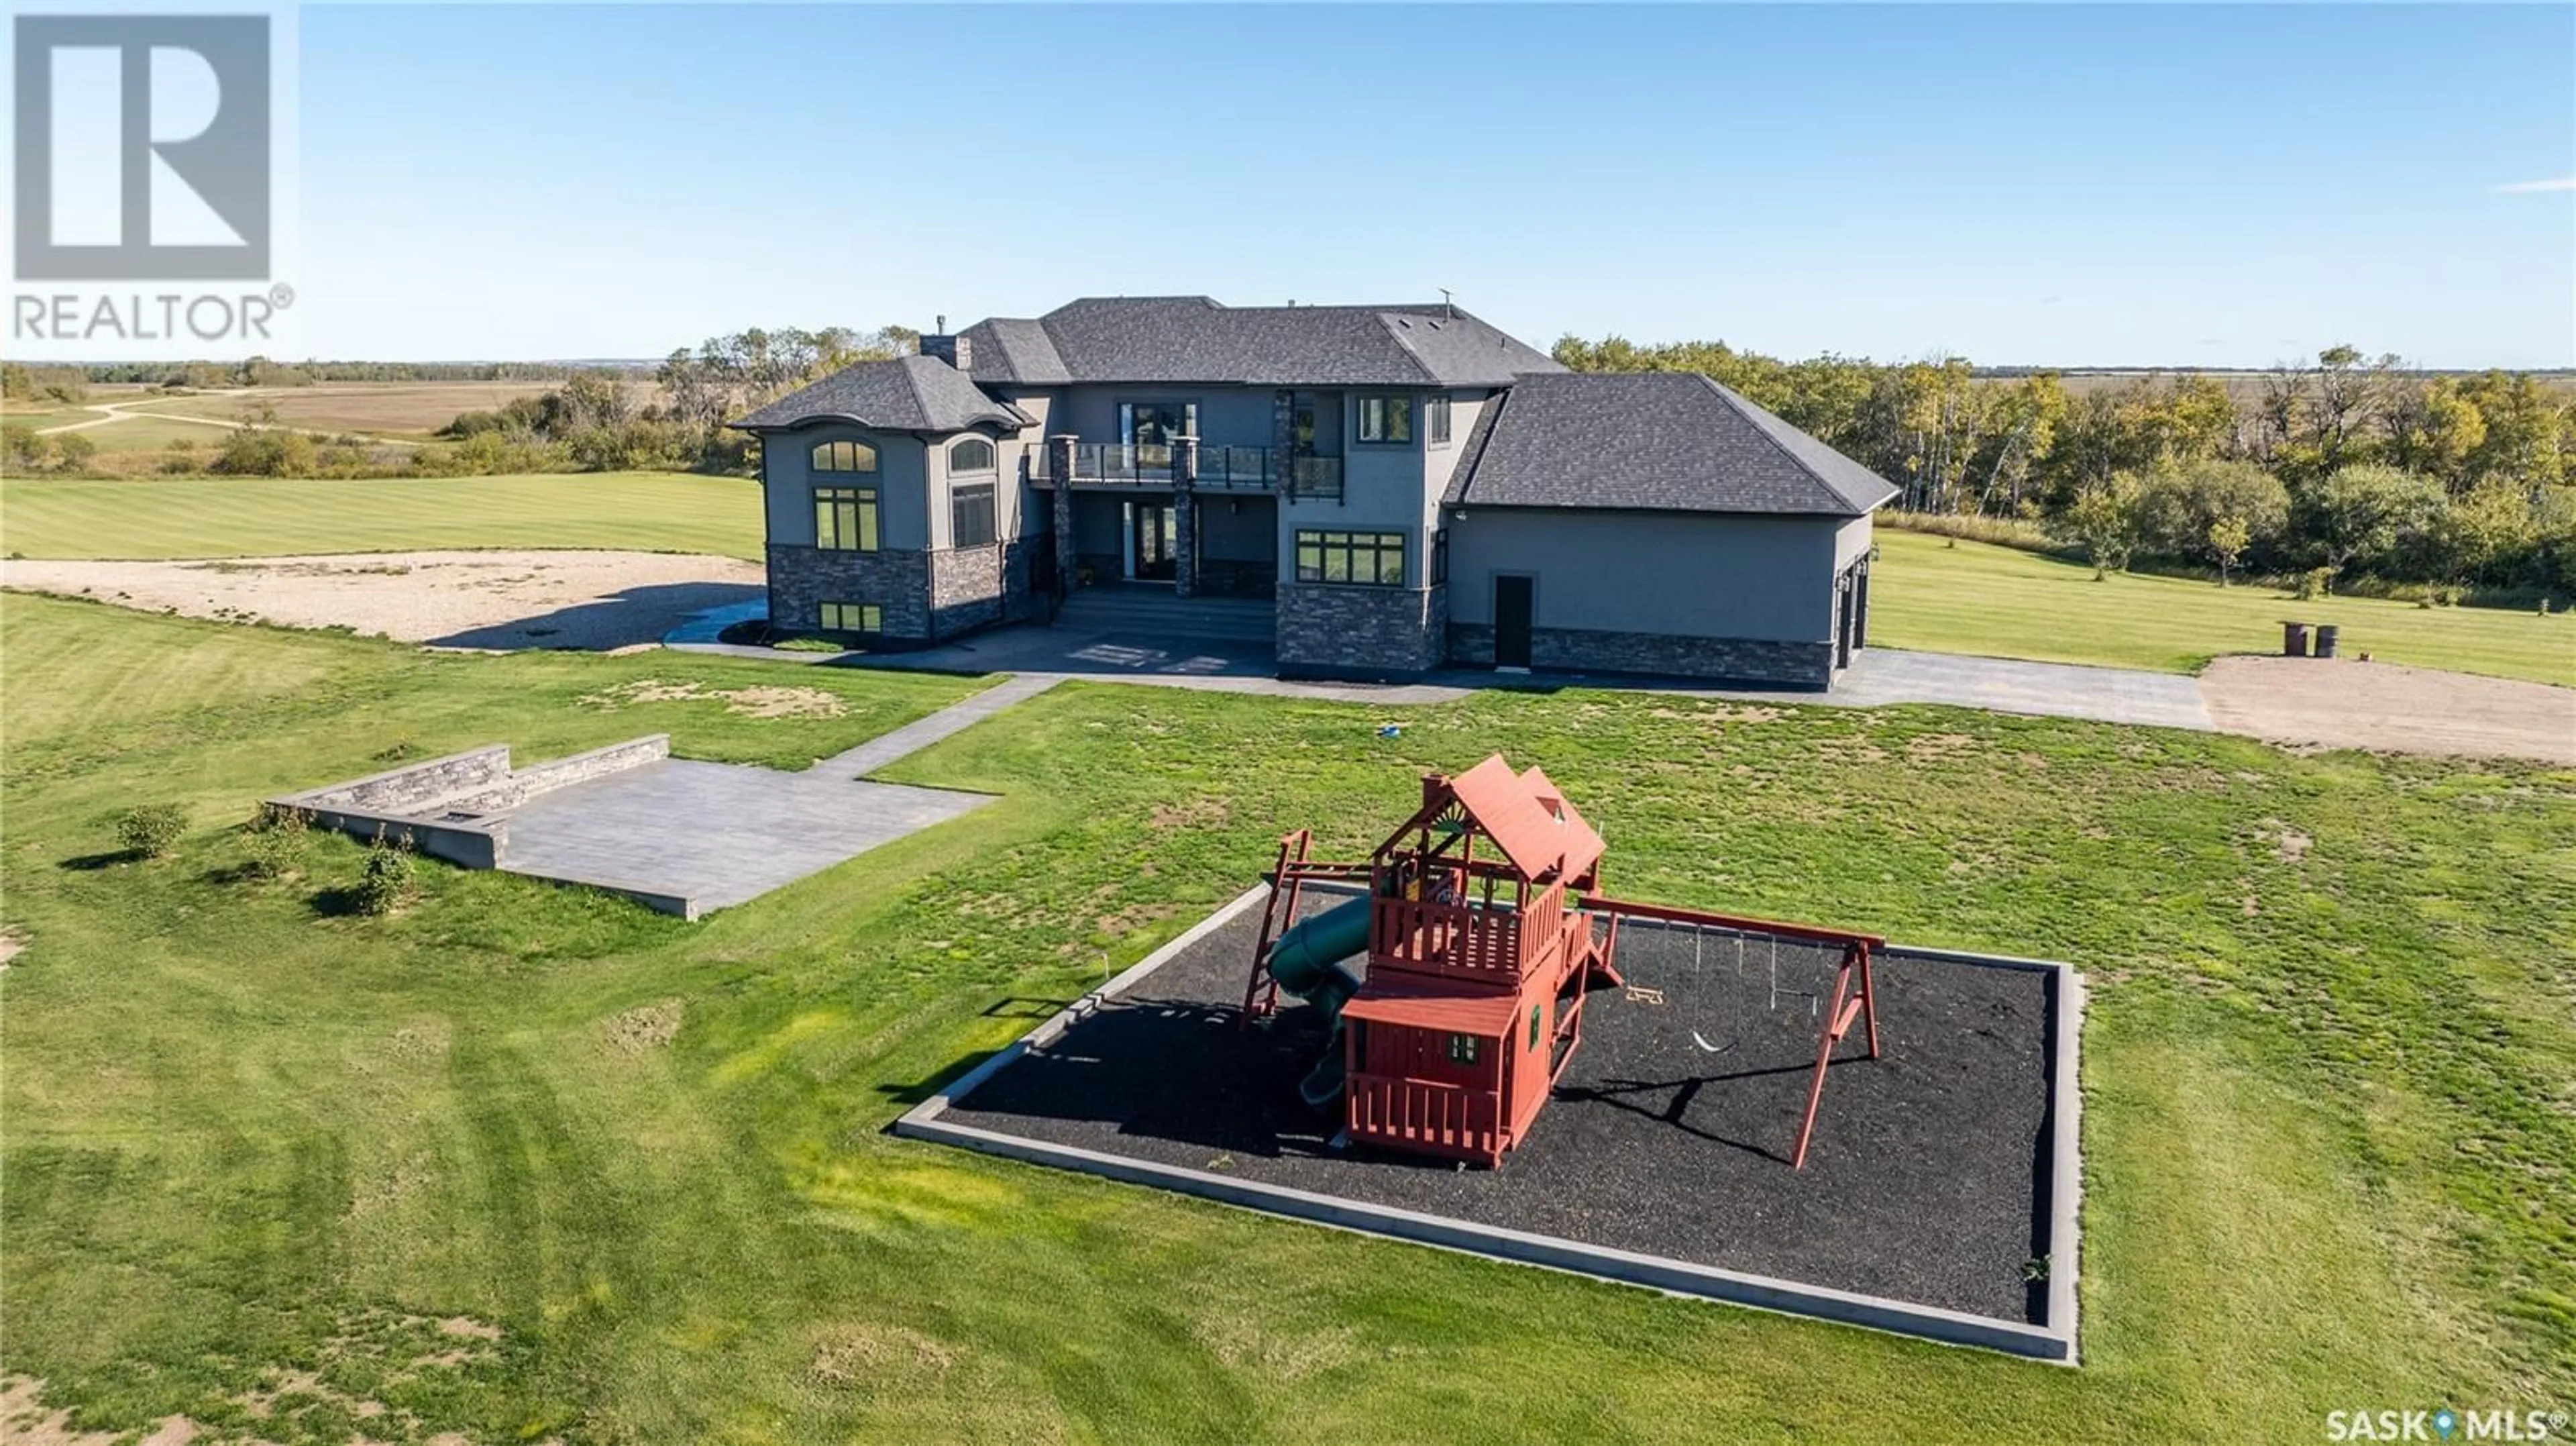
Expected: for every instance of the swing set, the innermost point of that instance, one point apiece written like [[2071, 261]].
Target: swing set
[[1854, 1000], [1484, 925]]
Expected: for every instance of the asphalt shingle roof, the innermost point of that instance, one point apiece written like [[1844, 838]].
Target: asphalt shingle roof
[[1652, 441], [1192, 339], [906, 394]]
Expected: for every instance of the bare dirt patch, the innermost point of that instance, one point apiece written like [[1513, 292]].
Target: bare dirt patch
[[11, 942], [505, 600], [646, 1026], [25, 1421], [2335, 703], [863, 1355], [752, 702]]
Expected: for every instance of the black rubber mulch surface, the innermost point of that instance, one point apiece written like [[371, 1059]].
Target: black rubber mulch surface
[[1927, 1181]]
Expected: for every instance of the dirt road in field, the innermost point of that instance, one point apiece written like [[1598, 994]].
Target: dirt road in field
[[2335, 703], [529, 599]]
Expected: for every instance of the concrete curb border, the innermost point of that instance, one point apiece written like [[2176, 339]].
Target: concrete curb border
[[2054, 1342]]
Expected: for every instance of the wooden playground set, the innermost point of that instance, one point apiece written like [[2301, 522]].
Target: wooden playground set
[[1484, 927]]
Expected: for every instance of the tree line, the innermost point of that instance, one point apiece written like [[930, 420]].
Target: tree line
[[2340, 470], [597, 420]]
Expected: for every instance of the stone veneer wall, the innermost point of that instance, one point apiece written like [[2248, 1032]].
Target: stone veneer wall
[[1020, 558], [967, 585], [1339, 630], [1578, 650], [1224, 577], [802, 579]]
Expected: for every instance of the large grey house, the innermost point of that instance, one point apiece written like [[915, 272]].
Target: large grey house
[[1407, 487]]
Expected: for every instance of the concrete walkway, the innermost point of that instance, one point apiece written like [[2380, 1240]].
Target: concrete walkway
[[877, 752], [1878, 677], [1881, 677]]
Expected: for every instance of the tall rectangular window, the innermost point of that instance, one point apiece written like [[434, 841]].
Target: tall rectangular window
[[845, 519], [970, 516], [1371, 559], [850, 617], [1435, 421], [1440, 556], [1386, 419]]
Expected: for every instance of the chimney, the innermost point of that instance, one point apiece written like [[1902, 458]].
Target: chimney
[[955, 350]]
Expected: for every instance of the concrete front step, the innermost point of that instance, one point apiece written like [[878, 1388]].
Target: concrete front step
[[1146, 613]]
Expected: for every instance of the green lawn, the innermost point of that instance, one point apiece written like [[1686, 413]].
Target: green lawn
[[2328, 1074], [2004, 603], [257, 517]]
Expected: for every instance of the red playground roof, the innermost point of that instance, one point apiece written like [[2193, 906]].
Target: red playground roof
[[1527, 818], [1486, 1015]]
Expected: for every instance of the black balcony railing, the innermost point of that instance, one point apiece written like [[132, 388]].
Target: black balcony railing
[[1221, 469]]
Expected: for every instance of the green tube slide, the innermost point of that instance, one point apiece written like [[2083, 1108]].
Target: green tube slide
[[1307, 962]]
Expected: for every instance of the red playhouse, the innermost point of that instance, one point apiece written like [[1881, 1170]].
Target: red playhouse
[[1483, 925]]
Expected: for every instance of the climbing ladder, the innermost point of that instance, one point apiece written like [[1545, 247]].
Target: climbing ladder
[[1288, 878]]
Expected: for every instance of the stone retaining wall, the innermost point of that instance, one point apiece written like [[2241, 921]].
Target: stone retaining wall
[[457, 808]]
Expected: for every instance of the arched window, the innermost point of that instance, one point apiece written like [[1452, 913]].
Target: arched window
[[974, 454], [844, 457]]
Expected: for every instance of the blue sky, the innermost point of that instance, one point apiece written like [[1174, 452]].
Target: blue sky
[[2066, 185]]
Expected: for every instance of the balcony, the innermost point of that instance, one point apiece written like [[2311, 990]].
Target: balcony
[[1221, 469]]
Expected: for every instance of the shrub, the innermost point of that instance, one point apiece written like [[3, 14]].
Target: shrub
[[22, 448], [389, 881], [74, 452], [274, 841], [151, 830], [2315, 583], [261, 452]]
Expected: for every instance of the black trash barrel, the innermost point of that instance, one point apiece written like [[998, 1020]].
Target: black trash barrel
[[2326, 633], [2294, 640]]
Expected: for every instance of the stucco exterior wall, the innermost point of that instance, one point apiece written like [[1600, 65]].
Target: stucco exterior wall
[[1690, 575], [1852, 542], [1228, 416], [901, 482]]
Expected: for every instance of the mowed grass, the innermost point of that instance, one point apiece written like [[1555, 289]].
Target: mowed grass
[[2004, 603], [262, 517], [2328, 1073]]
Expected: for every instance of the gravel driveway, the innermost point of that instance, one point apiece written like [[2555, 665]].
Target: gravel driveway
[[527, 599]]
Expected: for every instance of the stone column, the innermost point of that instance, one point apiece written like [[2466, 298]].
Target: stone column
[[1283, 441], [1185, 515], [1060, 465]]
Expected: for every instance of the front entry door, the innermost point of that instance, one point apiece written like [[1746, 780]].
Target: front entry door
[[1152, 540], [1512, 622]]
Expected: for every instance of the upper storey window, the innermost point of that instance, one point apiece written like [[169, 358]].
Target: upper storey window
[[974, 454], [1435, 421], [1386, 419], [844, 457]]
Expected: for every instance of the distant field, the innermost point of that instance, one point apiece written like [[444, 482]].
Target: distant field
[[411, 408], [258, 517], [2003, 603], [150, 434], [54, 415]]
